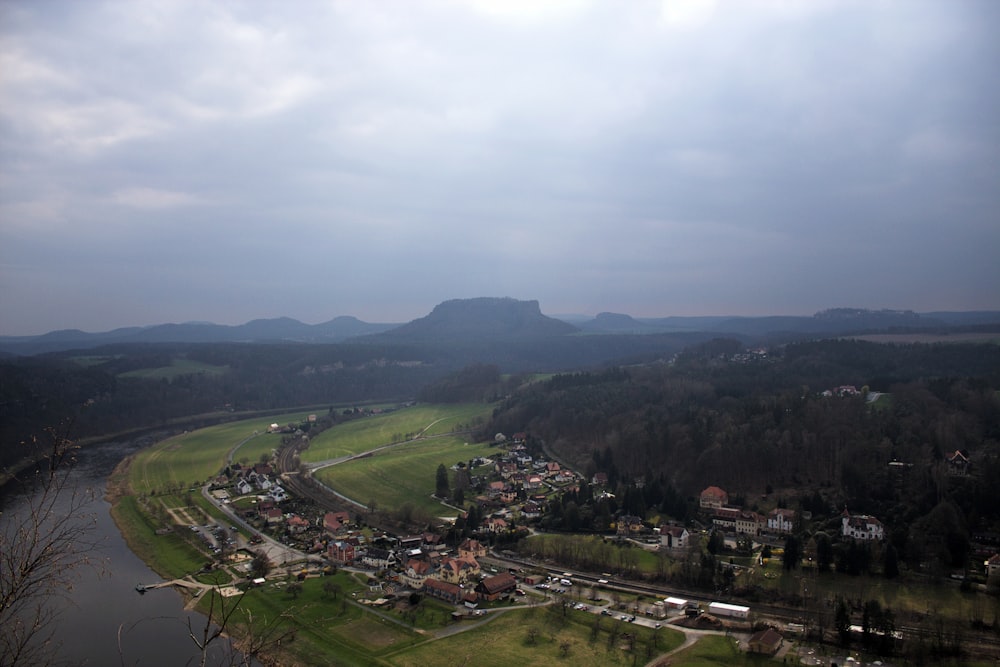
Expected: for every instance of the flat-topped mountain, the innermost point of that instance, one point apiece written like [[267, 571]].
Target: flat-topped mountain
[[483, 318], [614, 323]]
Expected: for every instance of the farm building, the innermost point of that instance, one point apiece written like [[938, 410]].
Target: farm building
[[728, 610]]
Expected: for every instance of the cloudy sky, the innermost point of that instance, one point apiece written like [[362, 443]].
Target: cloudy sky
[[168, 161]]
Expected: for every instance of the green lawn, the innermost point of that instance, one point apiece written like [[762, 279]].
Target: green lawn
[[579, 639], [716, 651], [401, 475], [366, 433]]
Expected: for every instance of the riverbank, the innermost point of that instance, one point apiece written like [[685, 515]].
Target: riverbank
[[141, 539]]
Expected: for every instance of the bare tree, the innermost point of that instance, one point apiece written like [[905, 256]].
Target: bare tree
[[45, 540], [257, 636]]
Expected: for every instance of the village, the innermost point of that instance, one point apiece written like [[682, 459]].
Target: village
[[452, 563]]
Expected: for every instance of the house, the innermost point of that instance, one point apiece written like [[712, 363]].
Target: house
[[725, 518], [674, 537], [470, 548], [273, 515], [766, 642], [411, 541], [780, 520], [749, 523], [532, 482], [861, 527], [531, 510], [958, 463], [458, 570], [492, 588], [377, 558], [442, 590], [599, 479], [333, 522], [495, 525], [506, 468], [551, 468], [416, 572], [629, 524], [244, 487], [296, 524], [713, 498], [992, 566], [340, 552]]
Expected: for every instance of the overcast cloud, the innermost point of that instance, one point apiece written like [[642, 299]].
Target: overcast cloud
[[173, 161]]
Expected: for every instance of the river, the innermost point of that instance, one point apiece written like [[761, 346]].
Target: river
[[105, 621]]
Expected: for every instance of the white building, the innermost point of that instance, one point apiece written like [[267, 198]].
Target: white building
[[861, 527]]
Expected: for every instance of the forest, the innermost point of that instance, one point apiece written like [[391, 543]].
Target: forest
[[783, 428]]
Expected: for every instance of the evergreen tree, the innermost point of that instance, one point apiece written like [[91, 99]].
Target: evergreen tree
[[793, 553], [890, 562], [442, 482], [842, 622]]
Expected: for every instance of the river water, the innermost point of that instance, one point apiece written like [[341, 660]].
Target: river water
[[105, 621]]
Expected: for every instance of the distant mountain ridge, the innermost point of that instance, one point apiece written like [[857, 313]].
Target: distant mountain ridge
[[493, 319], [281, 329]]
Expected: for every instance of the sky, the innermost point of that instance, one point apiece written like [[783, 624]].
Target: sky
[[171, 161]]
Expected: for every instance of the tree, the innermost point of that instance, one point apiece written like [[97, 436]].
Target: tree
[[441, 485], [44, 542], [792, 556], [261, 565], [842, 622], [256, 635], [824, 552], [295, 589], [715, 542], [890, 563]]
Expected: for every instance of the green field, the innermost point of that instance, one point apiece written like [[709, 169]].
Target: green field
[[578, 638], [330, 627], [189, 459], [361, 435], [402, 475], [169, 555], [177, 368], [593, 551], [716, 651]]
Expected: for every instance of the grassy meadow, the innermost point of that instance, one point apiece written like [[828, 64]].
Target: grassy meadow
[[177, 368], [189, 459], [403, 474], [361, 435], [540, 637], [716, 651]]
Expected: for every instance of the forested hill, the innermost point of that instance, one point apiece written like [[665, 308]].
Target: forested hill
[[785, 421]]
